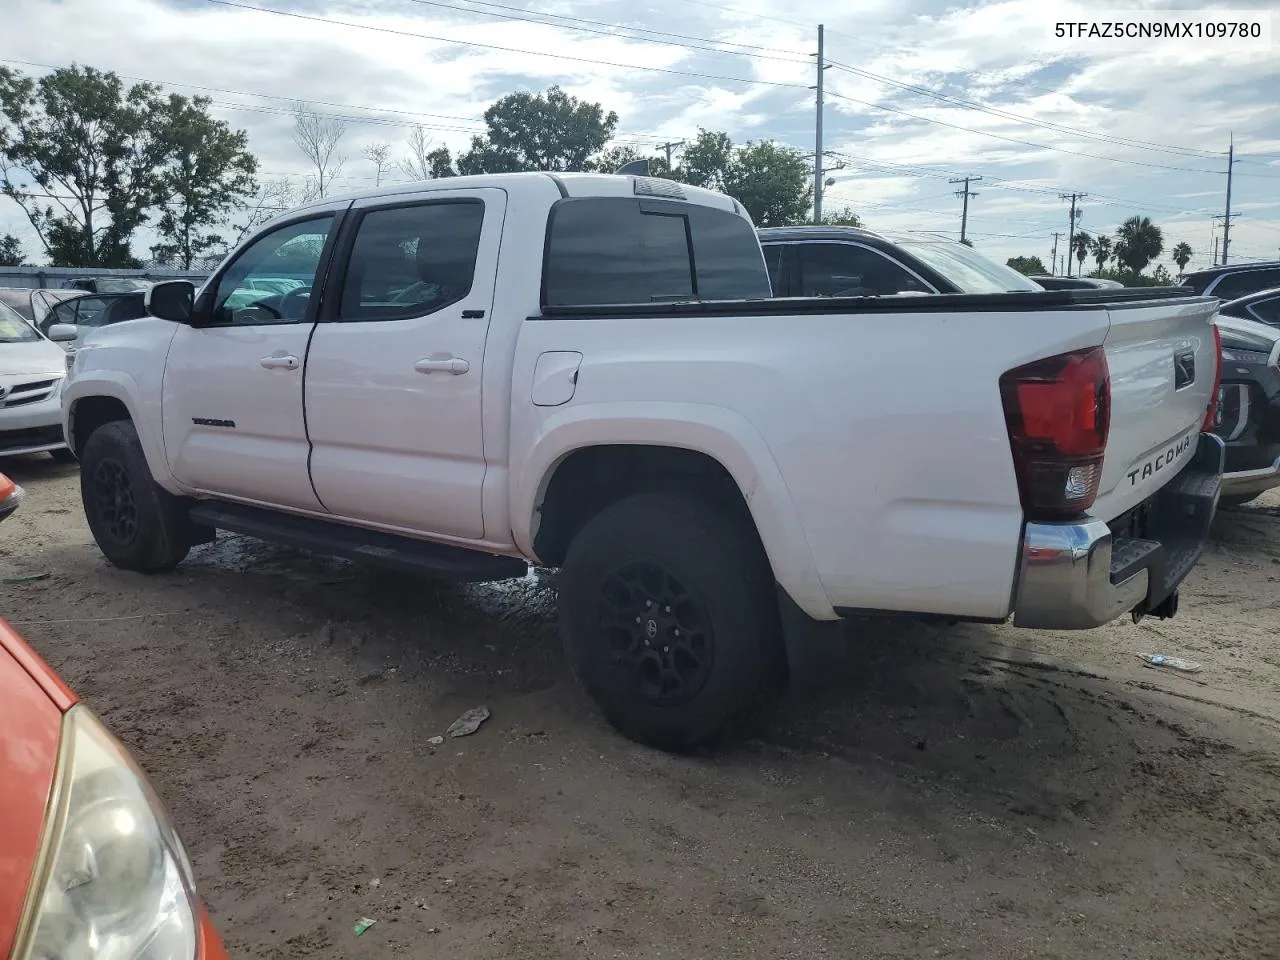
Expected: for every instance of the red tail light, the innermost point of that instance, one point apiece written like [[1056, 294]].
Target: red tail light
[[1058, 412], [1211, 412]]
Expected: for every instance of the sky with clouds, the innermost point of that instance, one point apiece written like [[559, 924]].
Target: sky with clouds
[[919, 92]]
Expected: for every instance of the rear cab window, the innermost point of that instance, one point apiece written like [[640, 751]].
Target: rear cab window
[[616, 250]]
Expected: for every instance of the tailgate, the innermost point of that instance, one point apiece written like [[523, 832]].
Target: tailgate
[[1160, 355]]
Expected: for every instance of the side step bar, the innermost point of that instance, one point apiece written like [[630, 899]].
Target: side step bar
[[354, 543]]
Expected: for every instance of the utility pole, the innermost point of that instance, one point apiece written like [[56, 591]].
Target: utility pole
[[1226, 220], [1071, 224], [1215, 251], [817, 147], [1053, 257], [966, 193], [668, 147]]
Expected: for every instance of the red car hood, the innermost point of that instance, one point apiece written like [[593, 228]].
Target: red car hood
[[32, 702]]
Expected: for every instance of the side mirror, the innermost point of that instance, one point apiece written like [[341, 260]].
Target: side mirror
[[63, 332], [171, 300]]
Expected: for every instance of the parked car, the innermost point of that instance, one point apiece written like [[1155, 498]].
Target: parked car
[[619, 395], [33, 304], [1076, 283], [1263, 307], [10, 497], [107, 284], [850, 262], [32, 372], [69, 322], [1248, 412], [1234, 280], [90, 865]]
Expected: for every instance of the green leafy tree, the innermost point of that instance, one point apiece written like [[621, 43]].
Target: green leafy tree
[[770, 181], [78, 156], [10, 251], [207, 172], [1028, 266], [1182, 255], [844, 217], [1081, 244], [610, 160], [705, 161], [551, 131], [1138, 242], [1100, 248]]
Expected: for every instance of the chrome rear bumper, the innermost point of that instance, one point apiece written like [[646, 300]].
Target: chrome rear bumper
[[1074, 576]]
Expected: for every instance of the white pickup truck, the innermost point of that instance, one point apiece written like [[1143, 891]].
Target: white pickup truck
[[471, 375]]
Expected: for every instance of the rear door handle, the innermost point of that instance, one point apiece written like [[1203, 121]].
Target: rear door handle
[[286, 363], [454, 365]]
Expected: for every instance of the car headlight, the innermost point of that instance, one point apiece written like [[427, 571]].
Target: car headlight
[[113, 881]]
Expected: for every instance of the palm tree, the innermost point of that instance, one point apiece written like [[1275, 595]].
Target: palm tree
[[1101, 250], [1081, 243], [1182, 256], [1138, 242]]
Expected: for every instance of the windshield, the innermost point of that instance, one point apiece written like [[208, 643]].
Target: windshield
[[969, 270], [13, 329]]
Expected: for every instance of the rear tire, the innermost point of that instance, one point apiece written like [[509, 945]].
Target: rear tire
[[137, 525], [669, 616]]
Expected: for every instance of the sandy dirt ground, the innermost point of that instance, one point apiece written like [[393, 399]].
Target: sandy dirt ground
[[925, 792]]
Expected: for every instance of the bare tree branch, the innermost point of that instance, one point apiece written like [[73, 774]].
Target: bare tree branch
[[318, 138], [417, 166], [379, 154]]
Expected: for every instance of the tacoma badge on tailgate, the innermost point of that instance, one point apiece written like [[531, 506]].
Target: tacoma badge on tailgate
[[1158, 463]]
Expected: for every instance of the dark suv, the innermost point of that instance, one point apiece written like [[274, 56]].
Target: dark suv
[[1234, 280]]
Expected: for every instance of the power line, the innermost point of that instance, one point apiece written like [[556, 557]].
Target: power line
[[1009, 115], [632, 138], [998, 136], [501, 49], [610, 28]]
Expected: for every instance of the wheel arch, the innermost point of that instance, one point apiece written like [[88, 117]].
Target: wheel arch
[[666, 440], [88, 405]]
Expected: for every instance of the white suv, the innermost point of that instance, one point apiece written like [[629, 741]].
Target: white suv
[[32, 371]]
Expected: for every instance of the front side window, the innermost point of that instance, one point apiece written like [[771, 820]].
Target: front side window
[[91, 311], [411, 261], [292, 252], [851, 270]]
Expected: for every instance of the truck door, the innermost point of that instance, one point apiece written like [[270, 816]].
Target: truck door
[[393, 399], [232, 399]]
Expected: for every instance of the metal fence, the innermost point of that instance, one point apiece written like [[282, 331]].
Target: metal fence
[[43, 277]]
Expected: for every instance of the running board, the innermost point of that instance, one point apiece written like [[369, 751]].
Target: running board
[[355, 543]]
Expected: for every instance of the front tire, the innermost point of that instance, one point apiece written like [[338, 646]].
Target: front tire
[[670, 619], [137, 525]]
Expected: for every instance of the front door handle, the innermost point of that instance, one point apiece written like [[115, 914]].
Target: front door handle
[[454, 365], [285, 363]]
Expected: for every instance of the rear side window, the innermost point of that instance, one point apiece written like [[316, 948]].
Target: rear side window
[[411, 261], [604, 250], [1238, 284]]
